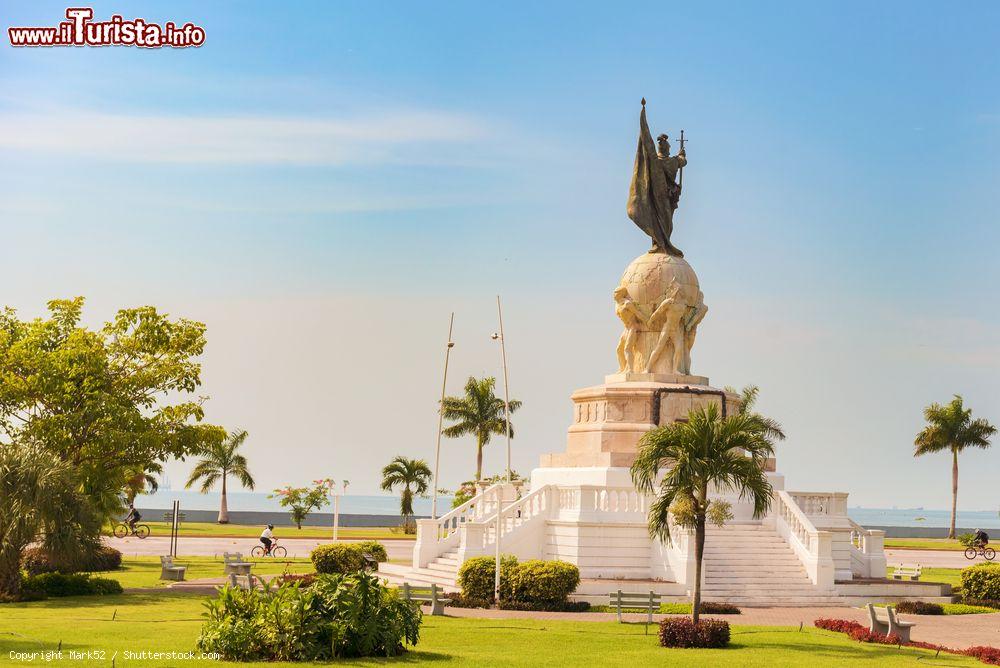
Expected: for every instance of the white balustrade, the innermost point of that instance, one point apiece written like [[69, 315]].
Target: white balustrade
[[437, 536], [821, 503], [813, 547], [867, 552]]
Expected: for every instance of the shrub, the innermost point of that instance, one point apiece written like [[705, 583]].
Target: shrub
[[75, 584], [919, 608], [682, 632], [838, 625], [338, 558], [981, 582], [459, 600], [981, 603], [338, 616], [374, 548], [543, 582], [562, 606], [476, 577], [710, 608], [99, 558]]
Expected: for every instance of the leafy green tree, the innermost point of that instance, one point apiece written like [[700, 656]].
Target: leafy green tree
[[40, 501], [219, 461], [469, 489], [107, 402], [480, 413], [692, 457], [950, 428], [413, 475], [301, 501]]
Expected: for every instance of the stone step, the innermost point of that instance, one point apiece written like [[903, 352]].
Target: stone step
[[749, 568], [451, 561], [443, 568]]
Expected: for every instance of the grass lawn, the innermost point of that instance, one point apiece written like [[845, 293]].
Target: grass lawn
[[212, 530], [168, 622], [145, 571], [952, 576], [924, 544]]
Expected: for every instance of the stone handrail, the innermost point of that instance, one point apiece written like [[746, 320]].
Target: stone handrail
[[536, 504], [437, 536], [867, 551], [597, 502], [821, 503], [475, 509], [813, 547]]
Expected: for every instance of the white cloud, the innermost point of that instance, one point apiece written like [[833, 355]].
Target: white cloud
[[400, 137]]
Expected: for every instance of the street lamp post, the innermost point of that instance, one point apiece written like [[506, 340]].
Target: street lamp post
[[506, 412], [336, 507], [437, 450]]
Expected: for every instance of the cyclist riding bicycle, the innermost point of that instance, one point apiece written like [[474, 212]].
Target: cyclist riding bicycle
[[981, 539], [132, 517], [267, 537]]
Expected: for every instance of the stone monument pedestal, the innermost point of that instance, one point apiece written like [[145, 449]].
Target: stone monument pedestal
[[609, 419]]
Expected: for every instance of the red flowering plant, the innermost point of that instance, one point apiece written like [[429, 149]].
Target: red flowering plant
[[303, 500]]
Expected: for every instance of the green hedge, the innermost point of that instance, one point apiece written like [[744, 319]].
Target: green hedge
[[346, 557], [60, 584], [981, 582], [532, 583], [543, 582], [100, 558], [374, 548]]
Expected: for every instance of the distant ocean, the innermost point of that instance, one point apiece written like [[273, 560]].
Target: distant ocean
[[389, 505], [919, 517]]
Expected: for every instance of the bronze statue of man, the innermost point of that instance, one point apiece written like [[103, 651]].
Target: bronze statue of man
[[654, 192]]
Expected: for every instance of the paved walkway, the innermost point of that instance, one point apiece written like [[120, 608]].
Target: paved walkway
[[403, 549], [955, 631], [198, 546], [931, 558]]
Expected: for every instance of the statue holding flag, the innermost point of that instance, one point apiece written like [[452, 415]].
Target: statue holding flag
[[655, 190]]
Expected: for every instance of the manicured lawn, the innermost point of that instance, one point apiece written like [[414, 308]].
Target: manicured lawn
[[212, 530], [145, 571], [924, 544], [168, 622]]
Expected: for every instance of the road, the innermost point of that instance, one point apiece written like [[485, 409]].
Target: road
[[190, 546], [403, 549], [931, 558]]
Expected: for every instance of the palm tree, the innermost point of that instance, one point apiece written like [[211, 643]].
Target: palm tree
[[40, 501], [142, 480], [480, 413], [951, 427], [413, 475], [222, 460], [708, 450]]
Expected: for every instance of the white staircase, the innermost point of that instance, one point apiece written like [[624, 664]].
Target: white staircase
[[443, 571], [751, 564]]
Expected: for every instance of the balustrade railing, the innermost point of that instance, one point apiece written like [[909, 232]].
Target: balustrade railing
[[821, 503], [476, 509], [536, 504], [812, 546]]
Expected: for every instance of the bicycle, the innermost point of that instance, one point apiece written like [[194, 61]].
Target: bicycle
[[974, 551], [276, 550], [121, 530]]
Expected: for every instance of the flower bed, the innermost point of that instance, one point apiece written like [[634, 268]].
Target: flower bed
[[989, 655]]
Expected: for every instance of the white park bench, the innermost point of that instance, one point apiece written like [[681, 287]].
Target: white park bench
[[243, 581], [906, 572], [431, 594], [169, 570], [649, 602], [884, 621], [233, 563]]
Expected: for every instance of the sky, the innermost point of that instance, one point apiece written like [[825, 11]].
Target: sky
[[323, 183]]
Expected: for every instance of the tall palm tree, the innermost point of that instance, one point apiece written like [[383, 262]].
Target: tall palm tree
[[480, 412], [413, 475], [221, 460], [707, 450], [142, 480], [951, 427]]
